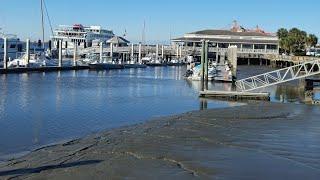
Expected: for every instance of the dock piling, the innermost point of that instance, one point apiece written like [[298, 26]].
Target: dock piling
[[232, 57], [28, 52], [101, 51], [177, 51], [206, 63], [132, 53], [75, 52], [111, 51], [139, 58], [162, 52], [60, 53], [5, 53], [202, 65], [157, 51]]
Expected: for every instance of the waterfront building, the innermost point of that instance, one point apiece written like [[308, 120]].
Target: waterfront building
[[118, 41], [82, 35], [255, 41]]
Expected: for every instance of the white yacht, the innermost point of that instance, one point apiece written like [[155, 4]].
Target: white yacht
[[38, 59], [14, 46], [83, 35]]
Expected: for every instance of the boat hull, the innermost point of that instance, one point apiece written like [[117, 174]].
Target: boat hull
[[106, 66], [135, 66], [156, 64], [176, 64]]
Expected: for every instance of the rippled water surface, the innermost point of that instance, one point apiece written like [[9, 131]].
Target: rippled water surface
[[37, 109]]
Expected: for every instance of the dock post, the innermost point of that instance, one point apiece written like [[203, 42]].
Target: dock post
[[5, 53], [101, 51], [111, 51], [139, 57], [60, 53], [28, 52], [232, 57], [75, 53], [202, 65], [157, 51], [132, 53], [177, 51], [162, 52], [206, 63]]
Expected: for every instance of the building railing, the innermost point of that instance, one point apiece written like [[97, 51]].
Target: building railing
[[185, 50]]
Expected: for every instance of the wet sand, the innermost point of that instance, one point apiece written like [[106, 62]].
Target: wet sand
[[256, 141]]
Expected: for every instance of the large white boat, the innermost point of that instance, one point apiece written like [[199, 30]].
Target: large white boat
[[38, 59], [84, 36], [14, 46]]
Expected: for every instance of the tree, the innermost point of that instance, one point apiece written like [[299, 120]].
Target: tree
[[282, 33], [312, 40]]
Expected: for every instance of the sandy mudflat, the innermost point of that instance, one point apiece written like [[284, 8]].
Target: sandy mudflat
[[257, 141]]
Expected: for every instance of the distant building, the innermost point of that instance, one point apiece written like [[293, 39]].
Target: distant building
[[248, 41]]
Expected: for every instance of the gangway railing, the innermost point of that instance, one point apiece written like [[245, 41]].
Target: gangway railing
[[279, 76]]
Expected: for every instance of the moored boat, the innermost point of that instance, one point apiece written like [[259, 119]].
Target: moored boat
[[215, 73], [106, 66], [135, 65]]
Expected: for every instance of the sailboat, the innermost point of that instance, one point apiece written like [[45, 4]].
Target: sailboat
[[36, 59]]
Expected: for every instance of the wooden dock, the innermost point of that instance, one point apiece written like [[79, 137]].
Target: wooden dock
[[41, 69], [234, 95]]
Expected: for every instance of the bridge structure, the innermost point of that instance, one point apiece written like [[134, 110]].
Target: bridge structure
[[301, 70]]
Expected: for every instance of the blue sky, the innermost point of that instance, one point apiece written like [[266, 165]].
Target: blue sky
[[164, 18]]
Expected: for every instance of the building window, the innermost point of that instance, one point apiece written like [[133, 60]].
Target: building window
[[223, 45], [247, 46], [272, 46], [259, 46]]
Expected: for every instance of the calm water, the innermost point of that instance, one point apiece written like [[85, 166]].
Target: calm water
[[38, 109]]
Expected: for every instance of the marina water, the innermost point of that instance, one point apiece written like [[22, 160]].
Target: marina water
[[37, 109]]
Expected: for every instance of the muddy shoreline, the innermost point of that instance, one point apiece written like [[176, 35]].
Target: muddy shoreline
[[257, 141]]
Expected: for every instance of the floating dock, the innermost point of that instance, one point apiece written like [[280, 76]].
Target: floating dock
[[41, 69], [235, 95]]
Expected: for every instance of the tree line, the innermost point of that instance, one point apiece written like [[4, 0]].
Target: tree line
[[295, 41]]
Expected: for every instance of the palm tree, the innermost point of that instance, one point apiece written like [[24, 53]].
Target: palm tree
[[282, 33], [312, 40]]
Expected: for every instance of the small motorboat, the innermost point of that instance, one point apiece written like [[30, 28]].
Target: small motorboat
[[215, 73]]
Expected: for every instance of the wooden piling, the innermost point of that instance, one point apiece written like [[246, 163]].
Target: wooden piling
[[139, 56], [233, 60], [60, 53], [5, 53], [28, 52], [75, 53]]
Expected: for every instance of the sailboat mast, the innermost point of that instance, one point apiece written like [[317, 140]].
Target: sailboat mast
[[143, 39], [42, 23]]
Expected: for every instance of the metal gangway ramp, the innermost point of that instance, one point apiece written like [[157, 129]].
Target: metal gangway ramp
[[279, 76]]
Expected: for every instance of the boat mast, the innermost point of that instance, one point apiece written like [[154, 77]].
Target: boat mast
[[42, 23], [143, 38]]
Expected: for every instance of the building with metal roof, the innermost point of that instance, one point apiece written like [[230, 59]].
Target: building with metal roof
[[118, 41], [247, 41]]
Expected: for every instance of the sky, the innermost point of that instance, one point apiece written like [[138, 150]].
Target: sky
[[164, 19]]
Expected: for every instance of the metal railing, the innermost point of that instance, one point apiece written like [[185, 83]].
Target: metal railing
[[173, 50], [299, 71]]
